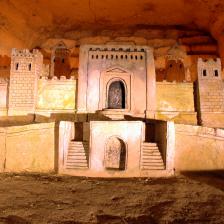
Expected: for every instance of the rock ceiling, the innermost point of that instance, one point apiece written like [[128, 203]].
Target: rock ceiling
[[27, 23]]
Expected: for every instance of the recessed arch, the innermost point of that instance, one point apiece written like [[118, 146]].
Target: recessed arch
[[116, 94], [115, 154]]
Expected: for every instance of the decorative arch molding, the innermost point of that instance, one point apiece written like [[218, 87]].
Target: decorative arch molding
[[122, 88], [109, 76]]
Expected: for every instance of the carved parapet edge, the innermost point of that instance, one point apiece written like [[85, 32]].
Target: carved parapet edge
[[165, 82], [25, 53], [199, 130], [55, 78]]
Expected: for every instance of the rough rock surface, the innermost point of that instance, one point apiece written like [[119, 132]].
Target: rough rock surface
[[54, 199], [25, 23]]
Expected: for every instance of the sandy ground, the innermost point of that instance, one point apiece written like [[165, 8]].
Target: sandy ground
[[37, 198]]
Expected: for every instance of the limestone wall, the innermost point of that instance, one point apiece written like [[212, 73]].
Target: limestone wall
[[3, 98], [26, 67], [175, 101], [198, 148], [27, 148], [56, 94], [210, 93]]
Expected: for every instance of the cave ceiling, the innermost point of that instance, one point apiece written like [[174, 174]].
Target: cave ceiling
[[28, 23]]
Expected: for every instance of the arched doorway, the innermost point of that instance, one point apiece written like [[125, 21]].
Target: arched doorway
[[115, 154], [116, 95]]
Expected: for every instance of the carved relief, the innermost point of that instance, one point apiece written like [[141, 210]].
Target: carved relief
[[115, 154], [116, 95]]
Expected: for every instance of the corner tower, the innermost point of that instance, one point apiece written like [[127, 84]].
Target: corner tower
[[211, 92], [26, 68]]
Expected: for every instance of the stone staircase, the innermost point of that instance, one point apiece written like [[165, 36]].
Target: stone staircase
[[78, 155], [151, 158]]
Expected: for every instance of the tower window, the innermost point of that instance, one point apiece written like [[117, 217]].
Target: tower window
[[216, 73], [30, 66], [17, 66], [204, 73], [63, 60]]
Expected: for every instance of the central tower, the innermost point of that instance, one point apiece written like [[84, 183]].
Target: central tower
[[117, 77]]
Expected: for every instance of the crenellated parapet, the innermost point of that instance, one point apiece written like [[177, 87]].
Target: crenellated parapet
[[55, 78]]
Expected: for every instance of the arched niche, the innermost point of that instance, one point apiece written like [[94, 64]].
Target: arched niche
[[116, 94], [115, 156]]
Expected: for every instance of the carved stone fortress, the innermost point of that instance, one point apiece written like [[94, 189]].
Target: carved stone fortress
[[115, 119]]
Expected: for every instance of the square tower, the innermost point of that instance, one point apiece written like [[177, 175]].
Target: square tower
[[26, 68], [211, 92]]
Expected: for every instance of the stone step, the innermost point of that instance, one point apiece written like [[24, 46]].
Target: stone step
[[152, 159], [79, 143], [153, 168], [151, 154], [76, 157], [149, 144], [77, 147], [77, 150], [149, 147], [77, 167], [77, 153], [72, 159]]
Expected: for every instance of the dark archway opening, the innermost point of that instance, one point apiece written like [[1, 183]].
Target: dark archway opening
[[116, 95]]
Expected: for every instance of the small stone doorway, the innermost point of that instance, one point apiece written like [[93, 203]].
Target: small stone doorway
[[116, 95]]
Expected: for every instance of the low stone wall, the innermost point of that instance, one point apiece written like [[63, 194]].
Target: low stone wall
[[175, 101], [3, 98], [56, 94], [27, 148], [198, 148]]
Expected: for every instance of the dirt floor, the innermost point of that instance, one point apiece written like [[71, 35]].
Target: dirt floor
[[36, 198]]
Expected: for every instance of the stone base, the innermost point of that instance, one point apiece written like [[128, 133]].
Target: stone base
[[178, 117], [117, 174], [3, 111], [213, 119]]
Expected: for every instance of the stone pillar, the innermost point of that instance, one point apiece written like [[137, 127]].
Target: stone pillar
[[82, 79], [221, 52], [150, 84], [170, 151]]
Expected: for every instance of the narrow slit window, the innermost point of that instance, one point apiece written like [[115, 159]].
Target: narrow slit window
[[216, 73], [17, 66], [30, 66], [204, 73]]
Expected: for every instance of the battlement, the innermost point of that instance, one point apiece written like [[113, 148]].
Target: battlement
[[209, 69], [25, 53], [55, 78]]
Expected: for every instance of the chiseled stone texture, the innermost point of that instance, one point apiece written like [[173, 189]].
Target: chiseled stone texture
[[27, 148], [132, 64], [3, 97], [175, 101], [26, 68], [211, 93], [199, 148], [56, 94], [130, 132]]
